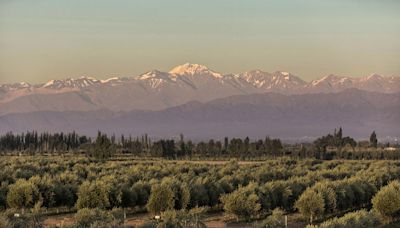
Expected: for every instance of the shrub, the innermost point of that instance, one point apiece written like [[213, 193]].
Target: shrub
[[243, 202], [161, 198], [387, 201], [93, 195], [22, 194], [357, 219], [310, 204], [4, 222], [276, 220], [86, 217]]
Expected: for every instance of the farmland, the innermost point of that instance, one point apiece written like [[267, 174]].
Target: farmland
[[78, 191]]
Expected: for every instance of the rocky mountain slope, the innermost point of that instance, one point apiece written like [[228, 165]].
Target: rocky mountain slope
[[156, 90]]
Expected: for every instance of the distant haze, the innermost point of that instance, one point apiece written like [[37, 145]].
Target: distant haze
[[50, 39]]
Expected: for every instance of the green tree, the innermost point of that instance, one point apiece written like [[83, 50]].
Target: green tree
[[276, 220], [357, 219], [22, 194], [161, 198], [142, 190], [93, 195], [244, 202], [103, 147], [373, 141], [310, 204], [86, 217], [181, 192], [387, 200], [328, 195]]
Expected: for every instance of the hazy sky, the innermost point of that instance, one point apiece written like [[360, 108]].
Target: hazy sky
[[46, 39]]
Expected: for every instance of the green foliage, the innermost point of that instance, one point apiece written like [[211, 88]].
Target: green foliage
[[22, 194], [142, 190], [358, 219], [4, 222], [93, 195], [244, 202], [387, 201], [276, 220], [103, 147], [311, 204], [373, 140], [127, 183], [29, 219], [181, 192], [277, 194], [161, 198], [118, 215], [183, 218], [328, 194], [86, 217]]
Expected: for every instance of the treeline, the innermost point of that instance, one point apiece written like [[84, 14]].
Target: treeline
[[331, 146], [104, 146], [34, 142]]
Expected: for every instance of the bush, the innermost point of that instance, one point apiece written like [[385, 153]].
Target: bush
[[358, 219], [22, 194], [24, 220], [93, 195], [118, 215], [86, 217], [387, 201], [4, 222], [243, 202], [161, 198], [310, 204], [276, 220]]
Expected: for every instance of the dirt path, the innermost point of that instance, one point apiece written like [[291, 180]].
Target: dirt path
[[215, 220], [66, 219]]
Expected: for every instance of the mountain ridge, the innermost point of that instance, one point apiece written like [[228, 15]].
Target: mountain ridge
[[157, 90], [255, 115]]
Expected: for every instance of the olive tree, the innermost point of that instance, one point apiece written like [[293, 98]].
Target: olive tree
[[244, 202], [93, 195], [161, 198], [387, 201], [22, 194], [310, 204]]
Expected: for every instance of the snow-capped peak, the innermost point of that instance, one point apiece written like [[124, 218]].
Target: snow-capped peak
[[152, 74], [25, 84], [16, 86], [329, 79], [193, 69], [81, 82], [49, 83], [110, 79], [374, 76]]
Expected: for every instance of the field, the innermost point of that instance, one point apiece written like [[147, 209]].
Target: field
[[127, 192]]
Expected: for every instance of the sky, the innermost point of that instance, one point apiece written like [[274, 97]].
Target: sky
[[52, 39]]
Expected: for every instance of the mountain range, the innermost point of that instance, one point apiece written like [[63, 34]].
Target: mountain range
[[156, 90], [201, 103], [257, 115]]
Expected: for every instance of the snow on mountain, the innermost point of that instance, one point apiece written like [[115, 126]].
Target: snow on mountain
[[379, 83], [15, 86], [79, 83], [374, 82], [276, 82], [330, 83], [193, 69], [155, 78], [157, 90]]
